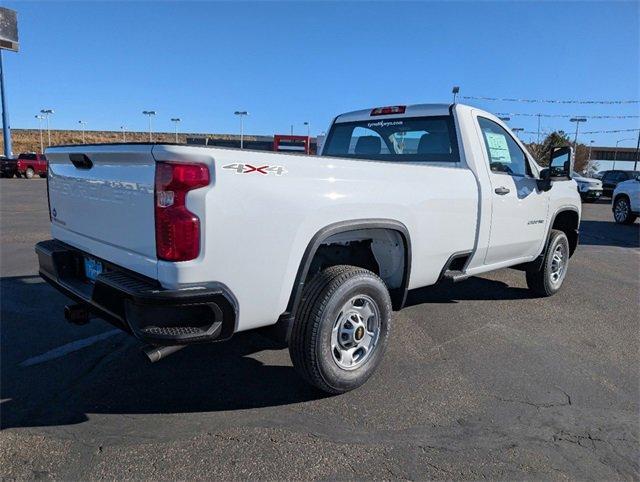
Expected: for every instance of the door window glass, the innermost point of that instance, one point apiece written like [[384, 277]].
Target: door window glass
[[505, 156]]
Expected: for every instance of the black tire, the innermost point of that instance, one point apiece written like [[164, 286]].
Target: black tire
[[542, 281], [622, 211], [29, 173], [321, 309]]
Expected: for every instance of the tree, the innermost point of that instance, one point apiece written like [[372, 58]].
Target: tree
[[542, 152]]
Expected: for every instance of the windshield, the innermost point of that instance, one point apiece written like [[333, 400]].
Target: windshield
[[419, 139]]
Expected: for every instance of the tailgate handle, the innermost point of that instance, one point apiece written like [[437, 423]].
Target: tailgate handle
[[81, 161]]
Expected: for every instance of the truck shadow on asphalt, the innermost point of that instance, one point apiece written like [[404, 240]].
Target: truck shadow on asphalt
[[112, 376], [473, 288]]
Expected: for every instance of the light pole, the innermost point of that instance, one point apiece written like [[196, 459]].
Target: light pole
[[577, 120], [149, 113], [615, 153], [241, 113], [47, 113], [6, 128], [82, 124], [124, 133], [455, 91], [516, 130], [175, 121], [308, 124], [40, 118]]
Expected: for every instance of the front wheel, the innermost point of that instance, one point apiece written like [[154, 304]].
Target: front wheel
[[29, 173], [341, 328], [547, 280], [622, 211]]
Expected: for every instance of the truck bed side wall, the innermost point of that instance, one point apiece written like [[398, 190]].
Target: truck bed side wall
[[257, 226]]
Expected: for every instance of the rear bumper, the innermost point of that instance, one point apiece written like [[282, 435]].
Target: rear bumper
[[139, 305]]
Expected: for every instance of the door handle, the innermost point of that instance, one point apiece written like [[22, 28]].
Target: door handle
[[502, 191]]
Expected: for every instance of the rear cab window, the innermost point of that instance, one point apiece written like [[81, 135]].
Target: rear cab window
[[412, 139]]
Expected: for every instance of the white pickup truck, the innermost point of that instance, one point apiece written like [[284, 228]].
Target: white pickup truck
[[182, 244]]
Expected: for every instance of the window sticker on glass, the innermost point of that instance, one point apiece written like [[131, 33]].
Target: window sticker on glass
[[498, 147]]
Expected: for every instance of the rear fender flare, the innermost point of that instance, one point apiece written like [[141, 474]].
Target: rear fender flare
[[345, 226]]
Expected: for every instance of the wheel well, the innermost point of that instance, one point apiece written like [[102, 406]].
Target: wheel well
[[380, 250], [567, 221], [618, 196]]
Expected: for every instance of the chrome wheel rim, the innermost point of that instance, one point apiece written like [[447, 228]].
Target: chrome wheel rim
[[621, 211], [558, 264], [355, 332]]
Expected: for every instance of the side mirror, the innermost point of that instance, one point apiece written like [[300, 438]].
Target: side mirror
[[561, 163], [544, 183]]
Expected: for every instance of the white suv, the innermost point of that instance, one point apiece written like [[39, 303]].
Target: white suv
[[626, 201], [590, 189]]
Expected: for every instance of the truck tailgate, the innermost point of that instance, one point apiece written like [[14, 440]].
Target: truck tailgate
[[101, 200]]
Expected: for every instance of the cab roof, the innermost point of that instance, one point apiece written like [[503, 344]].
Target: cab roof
[[415, 110]]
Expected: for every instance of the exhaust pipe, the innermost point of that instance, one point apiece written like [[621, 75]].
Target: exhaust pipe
[[157, 353], [77, 314]]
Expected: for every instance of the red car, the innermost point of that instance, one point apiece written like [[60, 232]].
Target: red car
[[31, 164]]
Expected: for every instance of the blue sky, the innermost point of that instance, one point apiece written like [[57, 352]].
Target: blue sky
[[288, 62]]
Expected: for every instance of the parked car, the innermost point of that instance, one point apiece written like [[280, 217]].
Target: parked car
[[8, 167], [610, 179], [31, 164], [187, 244], [590, 189], [626, 201]]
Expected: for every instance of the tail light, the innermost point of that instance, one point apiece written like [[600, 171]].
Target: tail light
[[177, 228], [392, 109]]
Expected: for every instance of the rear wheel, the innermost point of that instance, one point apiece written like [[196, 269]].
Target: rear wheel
[[29, 173], [341, 328], [547, 280], [622, 211]]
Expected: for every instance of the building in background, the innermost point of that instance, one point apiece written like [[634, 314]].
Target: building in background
[[604, 157]]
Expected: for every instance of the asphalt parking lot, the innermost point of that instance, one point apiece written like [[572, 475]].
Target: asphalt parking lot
[[480, 381]]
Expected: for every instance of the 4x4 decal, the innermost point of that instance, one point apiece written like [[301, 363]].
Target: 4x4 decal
[[248, 168]]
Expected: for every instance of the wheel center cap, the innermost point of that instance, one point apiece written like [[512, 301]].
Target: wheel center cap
[[359, 333]]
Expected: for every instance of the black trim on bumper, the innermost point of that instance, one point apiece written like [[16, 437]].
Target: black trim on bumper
[[139, 305]]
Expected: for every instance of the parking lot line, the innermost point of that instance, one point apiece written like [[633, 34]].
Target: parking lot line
[[68, 348]]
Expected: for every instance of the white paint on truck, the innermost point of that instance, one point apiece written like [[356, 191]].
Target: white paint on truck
[[255, 227]]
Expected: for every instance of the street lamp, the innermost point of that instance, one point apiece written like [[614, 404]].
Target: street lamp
[[577, 120], [308, 124], [82, 124], [615, 153], [241, 113], [47, 113], [175, 121], [124, 133], [504, 119], [455, 91], [516, 130], [149, 113], [40, 119]]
